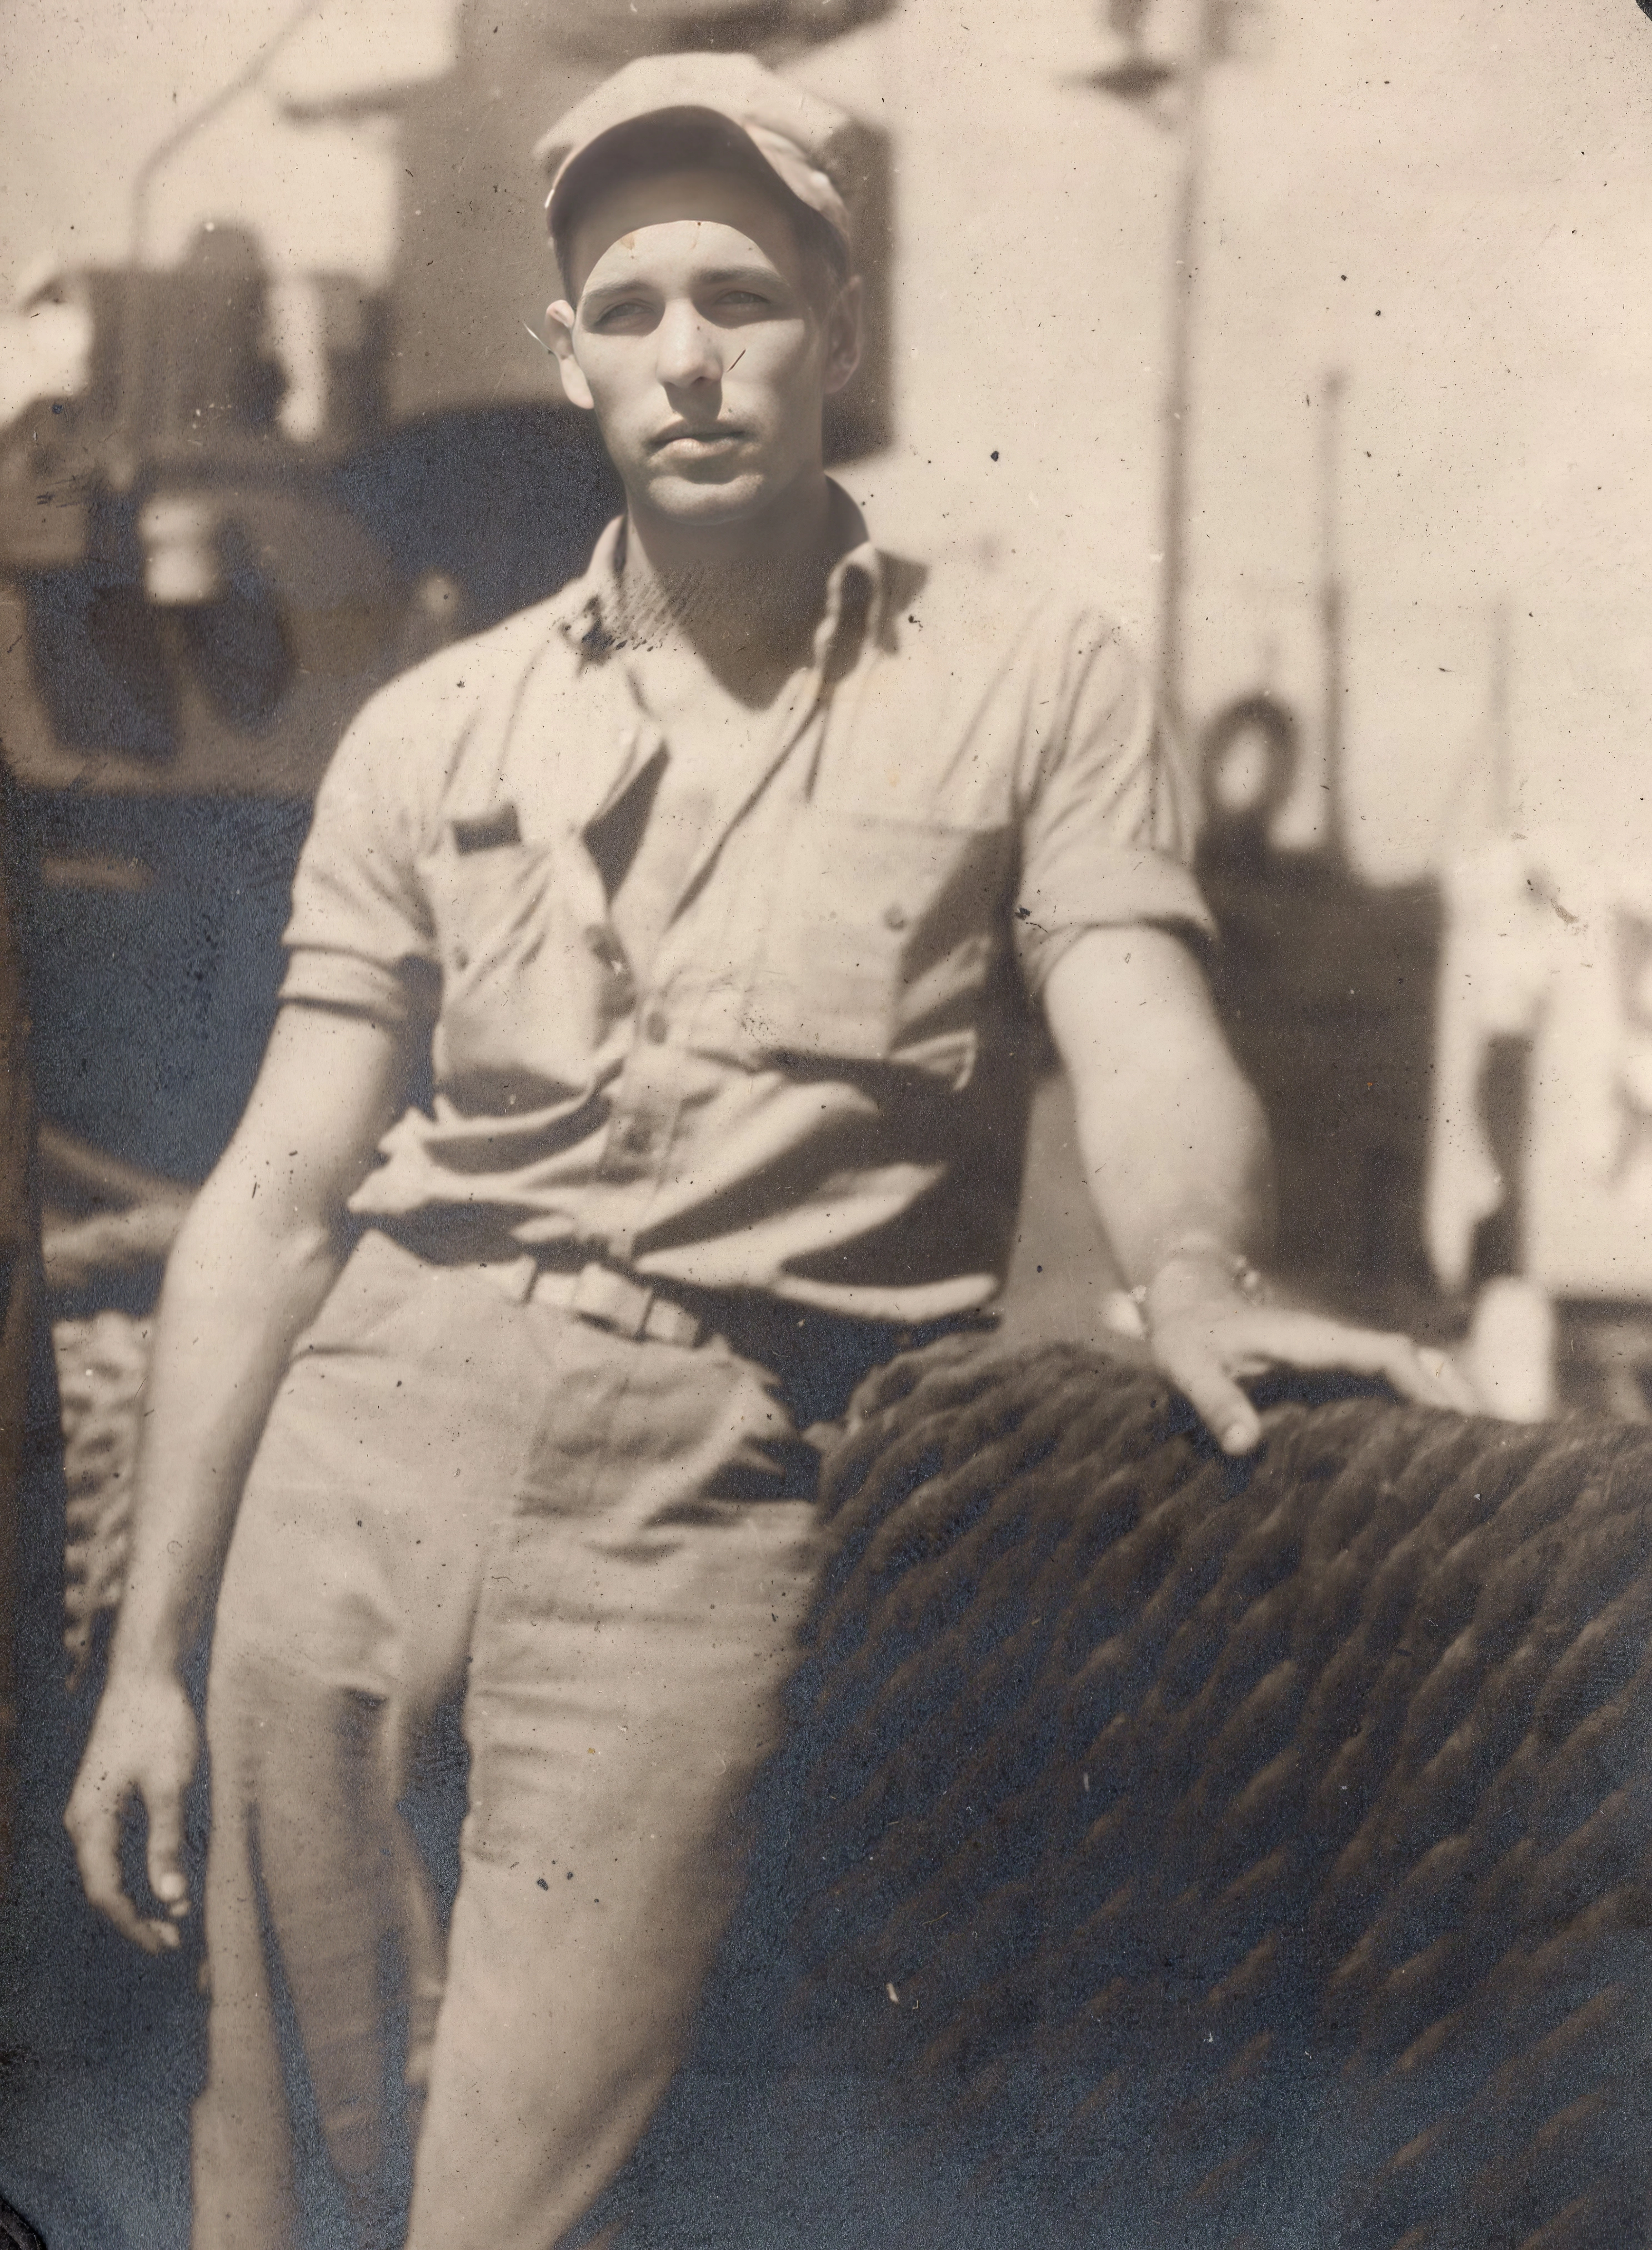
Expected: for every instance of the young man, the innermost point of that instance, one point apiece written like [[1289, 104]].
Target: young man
[[716, 895]]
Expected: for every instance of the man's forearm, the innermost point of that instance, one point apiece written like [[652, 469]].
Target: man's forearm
[[1174, 1141], [1189, 1175], [257, 1254], [236, 1294]]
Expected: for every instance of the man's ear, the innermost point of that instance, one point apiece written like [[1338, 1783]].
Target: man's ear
[[843, 335], [559, 332]]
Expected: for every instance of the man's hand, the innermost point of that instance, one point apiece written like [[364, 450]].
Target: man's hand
[[1175, 1147], [144, 1745], [1208, 1335]]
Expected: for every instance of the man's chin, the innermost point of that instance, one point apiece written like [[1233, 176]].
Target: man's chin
[[712, 492]]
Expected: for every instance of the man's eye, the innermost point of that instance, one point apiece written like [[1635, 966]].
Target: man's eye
[[739, 300], [613, 316]]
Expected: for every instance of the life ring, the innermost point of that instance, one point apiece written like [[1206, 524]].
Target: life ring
[[1264, 718]]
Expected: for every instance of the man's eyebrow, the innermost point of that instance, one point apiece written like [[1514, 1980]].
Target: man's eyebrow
[[602, 293], [765, 276], [717, 277]]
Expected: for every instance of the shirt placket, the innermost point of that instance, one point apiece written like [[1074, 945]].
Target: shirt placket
[[630, 1141], [650, 1095]]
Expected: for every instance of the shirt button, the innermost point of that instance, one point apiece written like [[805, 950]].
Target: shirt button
[[656, 1025], [461, 959], [895, 917], [636, 1138]]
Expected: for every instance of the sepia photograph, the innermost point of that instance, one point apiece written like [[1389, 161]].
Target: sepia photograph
[[826, 1125]]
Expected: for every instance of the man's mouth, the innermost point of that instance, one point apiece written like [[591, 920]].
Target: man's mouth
[[712, 438]]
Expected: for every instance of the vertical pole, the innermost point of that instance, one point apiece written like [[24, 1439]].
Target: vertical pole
[[19, 1313], [1331, 617], [1179, 387], [1501, 789]]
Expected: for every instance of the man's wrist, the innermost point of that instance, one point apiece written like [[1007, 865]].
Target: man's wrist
[[143, 1667], [150, 1643], [1191, 1270]]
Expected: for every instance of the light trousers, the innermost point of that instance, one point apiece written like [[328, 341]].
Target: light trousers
[[598, 1551]]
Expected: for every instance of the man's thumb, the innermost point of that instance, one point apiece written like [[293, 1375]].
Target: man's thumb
[[166, 1849]]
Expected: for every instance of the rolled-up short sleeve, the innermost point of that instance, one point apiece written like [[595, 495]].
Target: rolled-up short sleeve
[[360, 936], [1107, 824]]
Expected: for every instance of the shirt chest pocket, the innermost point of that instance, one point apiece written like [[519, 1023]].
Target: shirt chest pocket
[[532, 981], [880, 942]]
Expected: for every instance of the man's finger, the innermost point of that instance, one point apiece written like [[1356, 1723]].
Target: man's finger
[[1220, 1404], [166, 1878], [95, 1825], [1453, 1386], [92, 1820], [1275, 1335]]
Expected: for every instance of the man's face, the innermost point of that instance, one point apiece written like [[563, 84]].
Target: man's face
[[704, 342]]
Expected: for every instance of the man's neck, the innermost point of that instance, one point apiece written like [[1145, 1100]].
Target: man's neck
[[742, 599]]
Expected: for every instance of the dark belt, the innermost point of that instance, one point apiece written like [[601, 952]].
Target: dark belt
[[682, 1313], [818, 1355]]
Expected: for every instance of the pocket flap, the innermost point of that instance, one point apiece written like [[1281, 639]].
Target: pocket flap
[[880, 938]]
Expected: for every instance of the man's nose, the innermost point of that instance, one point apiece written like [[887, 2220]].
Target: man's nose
[[688, 348]]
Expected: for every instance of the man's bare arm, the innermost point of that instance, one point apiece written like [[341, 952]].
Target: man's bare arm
[[255, 1258], [1176, 1148]]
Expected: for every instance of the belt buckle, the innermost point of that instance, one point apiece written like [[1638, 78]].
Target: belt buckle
[[611, 1300], [675, 1324], [516, 1277]]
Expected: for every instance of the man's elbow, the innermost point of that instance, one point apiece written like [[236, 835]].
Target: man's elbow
[[251, 1223], [1131, 1007]]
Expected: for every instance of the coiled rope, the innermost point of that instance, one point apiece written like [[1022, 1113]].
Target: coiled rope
[[1176, 1852]]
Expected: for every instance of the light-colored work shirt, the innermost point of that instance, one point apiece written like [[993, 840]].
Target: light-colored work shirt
[[785, 1041]]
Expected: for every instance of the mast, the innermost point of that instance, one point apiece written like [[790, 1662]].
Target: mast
[[1180, 385], [1332, 618]]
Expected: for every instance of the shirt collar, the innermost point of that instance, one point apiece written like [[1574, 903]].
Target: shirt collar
[[856, 596]]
